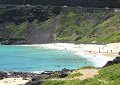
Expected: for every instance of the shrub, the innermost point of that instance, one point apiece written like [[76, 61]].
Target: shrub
[[74, 74]]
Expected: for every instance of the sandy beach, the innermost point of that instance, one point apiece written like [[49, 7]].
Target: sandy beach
[[109, 50], [13, 81]]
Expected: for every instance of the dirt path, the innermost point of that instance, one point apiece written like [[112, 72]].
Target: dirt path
[[86, 73]]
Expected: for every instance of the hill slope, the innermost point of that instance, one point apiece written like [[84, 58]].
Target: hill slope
[[88, 27], [42, 24], [107, 76]]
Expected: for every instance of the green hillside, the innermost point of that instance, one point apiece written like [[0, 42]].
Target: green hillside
[[107, 76], [102, 27], [74, 26]]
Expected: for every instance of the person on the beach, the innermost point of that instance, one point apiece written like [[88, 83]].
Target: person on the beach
[[99, 49], [111, 51]]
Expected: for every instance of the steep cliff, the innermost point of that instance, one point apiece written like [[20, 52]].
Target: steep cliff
[[43, 24], [29, 23]]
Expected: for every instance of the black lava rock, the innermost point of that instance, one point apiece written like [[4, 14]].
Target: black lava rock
[[3, 75], [63, 75], [35, 81], [115, 61]]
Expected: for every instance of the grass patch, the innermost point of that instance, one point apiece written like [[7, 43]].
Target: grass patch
[[55, 82], [60, 82], [110, 73], [88, 67], [18, 30], [71, 75], [55, 75], [44, 24]]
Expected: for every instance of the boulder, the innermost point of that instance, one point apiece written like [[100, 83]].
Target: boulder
[[65, 70], [114, 61], [35, 81], [3, 75], [63, 75]]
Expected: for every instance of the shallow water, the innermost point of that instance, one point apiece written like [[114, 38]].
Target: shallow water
[[33, 59]]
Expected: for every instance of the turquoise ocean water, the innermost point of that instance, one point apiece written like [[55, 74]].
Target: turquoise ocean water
[[32, 59]]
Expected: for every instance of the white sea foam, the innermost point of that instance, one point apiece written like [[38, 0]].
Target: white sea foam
[[37, 72], [96, 59]]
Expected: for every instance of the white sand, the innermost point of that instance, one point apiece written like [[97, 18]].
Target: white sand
[[13, 81], [110, 49], [98, 54]]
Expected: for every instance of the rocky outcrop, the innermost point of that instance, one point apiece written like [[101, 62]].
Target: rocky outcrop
[[31, 30], [3, 75], [115, 61], [35, 81], [23, 74]]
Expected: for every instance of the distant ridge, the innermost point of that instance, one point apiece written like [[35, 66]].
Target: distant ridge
[[70, 3]]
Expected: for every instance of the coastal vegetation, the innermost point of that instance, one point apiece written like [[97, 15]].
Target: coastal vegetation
[[83, 27], [87, 67], [18, 30], [107, 76], [44, 24], [72, 75], [71, 24]]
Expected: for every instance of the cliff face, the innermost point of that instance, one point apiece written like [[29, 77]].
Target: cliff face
[[70, 3], [26, 23], [43, 24]]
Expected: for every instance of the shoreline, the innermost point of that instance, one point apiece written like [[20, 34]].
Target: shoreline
[[109, 50], [98, 54], [88, 51]]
